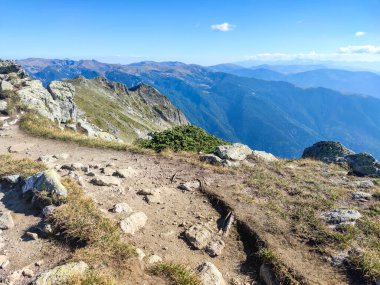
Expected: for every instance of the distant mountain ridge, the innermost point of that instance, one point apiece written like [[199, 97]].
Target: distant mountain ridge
[[267, 115], [354, 82]]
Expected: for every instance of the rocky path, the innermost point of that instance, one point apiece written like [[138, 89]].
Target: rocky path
[[178, 221]]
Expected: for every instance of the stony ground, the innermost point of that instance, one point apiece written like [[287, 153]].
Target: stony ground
[[170, 211]]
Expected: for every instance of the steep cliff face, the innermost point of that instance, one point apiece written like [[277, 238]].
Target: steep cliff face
[[127, 113], [99, 108]]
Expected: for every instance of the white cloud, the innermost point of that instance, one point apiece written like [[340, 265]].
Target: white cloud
[[359, 34], [225, 27], [365, 49]]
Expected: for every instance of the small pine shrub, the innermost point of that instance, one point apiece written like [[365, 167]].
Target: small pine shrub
[[182, 138]]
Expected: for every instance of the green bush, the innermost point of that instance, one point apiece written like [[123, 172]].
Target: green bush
[[182, 138]]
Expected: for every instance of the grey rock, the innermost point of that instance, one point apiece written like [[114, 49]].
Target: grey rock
[[105, 181], [27, 273], [361, 196], [48, 210], [61, 274], [47, 159], [4, 262], [198, 236], [121, 207], [215, 248], [48, 180], [3, 106], [154, 259], [190, 186], [140, 254], [262, 155], [63, 93], [211, 158], [327, 151], [341, 216], [235, 152], [133, 223], [363, 164], [364, 184], [6, 86], [210, 275], [6, 221], [74, 166]]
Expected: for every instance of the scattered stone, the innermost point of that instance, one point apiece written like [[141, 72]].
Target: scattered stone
[[265, 156], [48, 180], [6, 86], [327, 151], [11, 179], [48, 210], [47, 229], [210, 275], [76, 177], [215, 248], [6, 221], [39, 263], [236, 151], [91, 174], [61, 274], [31, 235], [198, 236], [338, 259], [154, 259], [366, 184], [341, 216], [47, 159], [190, 186], [230, 163], [107, 171], [125, 172], [211, 158], [121, 207], [140, 254], [152, 196], [3, 106], [363, 164], [133, 223], [62, 156], [361, 196], [74, 166], [28, 273], [4, 262], [105, 181], [267, 275], [14, 277]]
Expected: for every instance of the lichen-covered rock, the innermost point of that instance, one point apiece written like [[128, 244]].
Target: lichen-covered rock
[[236, 151], [48, 180], [327, 151], [262, 155], [211, 158], [61, 274], [133, 223], [198, 236], [341, 216], [210, 275], [363, 164]]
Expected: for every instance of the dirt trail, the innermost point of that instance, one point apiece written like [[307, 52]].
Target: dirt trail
[[167, 220]]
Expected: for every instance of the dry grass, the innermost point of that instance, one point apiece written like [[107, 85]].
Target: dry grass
[[176, 274], [293, 194], [39, 126], [23, 167], [100, 241], [90, 278]]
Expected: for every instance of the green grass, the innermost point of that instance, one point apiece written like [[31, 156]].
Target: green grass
[[176, 274], [36, 125], [23, 167], [183, 138], [293, 198], [81, 222]]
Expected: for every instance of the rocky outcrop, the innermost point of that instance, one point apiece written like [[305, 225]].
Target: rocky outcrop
[[337, 217], [362, 164], [55, 103], [327, 151], [235, 152]]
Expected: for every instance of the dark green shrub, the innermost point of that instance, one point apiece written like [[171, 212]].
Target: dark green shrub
[[182, 138]]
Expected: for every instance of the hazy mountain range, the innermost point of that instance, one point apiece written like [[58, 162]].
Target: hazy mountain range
[[238, 105]]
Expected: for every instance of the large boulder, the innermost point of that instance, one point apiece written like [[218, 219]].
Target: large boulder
[[363, 164], [210, 275], [61, 274], [63, 93], [47, 180], [236, 151], [327, 151], [265, 156]]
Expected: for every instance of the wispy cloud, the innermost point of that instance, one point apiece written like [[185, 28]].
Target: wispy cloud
[[225, 27], [359, 34], [366, 49]]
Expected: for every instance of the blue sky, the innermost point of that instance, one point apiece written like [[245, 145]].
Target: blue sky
[[193, 31]]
